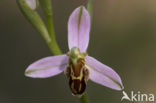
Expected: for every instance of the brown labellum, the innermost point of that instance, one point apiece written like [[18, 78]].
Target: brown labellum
[[77, 75]]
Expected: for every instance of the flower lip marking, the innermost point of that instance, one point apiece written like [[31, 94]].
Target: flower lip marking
[[76, 71]]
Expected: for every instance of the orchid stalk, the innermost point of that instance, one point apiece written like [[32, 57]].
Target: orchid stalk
[[47, 9], [27, 8], [90, 9]]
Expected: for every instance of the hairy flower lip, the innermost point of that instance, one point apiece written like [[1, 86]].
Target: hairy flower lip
[[78, 36]]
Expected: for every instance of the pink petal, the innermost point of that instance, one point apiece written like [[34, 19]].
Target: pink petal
[[47, 67], [102, 74], [78, 29]]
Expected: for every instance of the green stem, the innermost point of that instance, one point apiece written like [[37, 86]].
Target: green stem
[[47, 9], [33, 17], [84, 98], [90, 9]]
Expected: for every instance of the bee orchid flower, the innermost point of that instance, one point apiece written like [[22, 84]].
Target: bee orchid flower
[[76, 64]]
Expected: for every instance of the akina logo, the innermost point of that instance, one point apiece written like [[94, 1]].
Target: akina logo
[[138, 97]]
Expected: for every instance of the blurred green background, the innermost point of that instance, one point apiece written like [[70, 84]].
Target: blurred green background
[[123, 36]]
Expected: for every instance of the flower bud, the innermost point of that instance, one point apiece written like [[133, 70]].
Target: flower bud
[[32, 4]]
